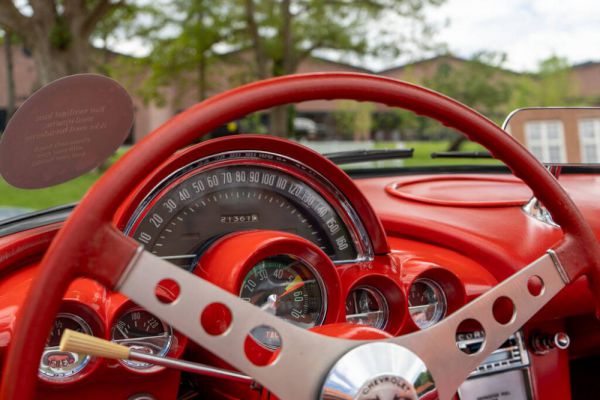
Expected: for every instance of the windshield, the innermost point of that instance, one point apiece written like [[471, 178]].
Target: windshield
[[169, 55]]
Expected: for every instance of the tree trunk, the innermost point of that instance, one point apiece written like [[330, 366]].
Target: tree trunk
[[280, 116], [279, 124], [10, 75], [201, 85], [57, 33], [456, 144], [202, 77], [260, 58], [53, 63]]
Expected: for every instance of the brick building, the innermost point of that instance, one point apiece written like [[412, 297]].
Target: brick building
[[233, 71]]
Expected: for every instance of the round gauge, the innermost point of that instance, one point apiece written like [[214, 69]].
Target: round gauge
[[287, 288], [58, 365], [138, 329], [426, 302], [366, 306], [180, 221]]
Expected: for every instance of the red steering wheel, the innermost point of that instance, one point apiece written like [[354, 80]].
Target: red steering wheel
[[89, 246]]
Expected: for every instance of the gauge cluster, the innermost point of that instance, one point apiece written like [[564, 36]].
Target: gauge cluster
[[125, 323], [277, 227]]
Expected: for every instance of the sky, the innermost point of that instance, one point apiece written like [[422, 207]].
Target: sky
[[527, 31]]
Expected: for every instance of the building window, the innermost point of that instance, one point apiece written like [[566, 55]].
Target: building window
[[589, 138], [546, 140]]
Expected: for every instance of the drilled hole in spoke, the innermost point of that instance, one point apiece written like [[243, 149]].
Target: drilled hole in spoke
[[167, 291], [216, 319], [535, 285], [262, 345], [503, 310], [470, 336]]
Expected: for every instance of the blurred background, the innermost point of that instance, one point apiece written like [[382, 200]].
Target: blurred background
[[493, 56]]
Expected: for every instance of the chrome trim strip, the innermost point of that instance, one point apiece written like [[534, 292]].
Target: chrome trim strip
[[561, 271]]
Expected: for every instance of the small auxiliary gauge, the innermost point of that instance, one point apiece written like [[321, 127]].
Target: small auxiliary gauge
[[426, 302], [138, 329], [57, 365], [367, 306]]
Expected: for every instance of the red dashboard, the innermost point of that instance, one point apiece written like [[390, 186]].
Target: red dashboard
[[464, 249], [286, 230]]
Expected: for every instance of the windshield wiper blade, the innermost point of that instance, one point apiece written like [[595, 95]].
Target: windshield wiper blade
[[357, 156], [461, 154]]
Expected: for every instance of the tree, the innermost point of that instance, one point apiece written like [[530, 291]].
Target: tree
[[10, 74], [184, 37], [479, 82], [283, 33], [57, 32], [550, 85]]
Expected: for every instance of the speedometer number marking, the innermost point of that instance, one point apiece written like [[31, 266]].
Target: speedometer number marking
[[209, 204]]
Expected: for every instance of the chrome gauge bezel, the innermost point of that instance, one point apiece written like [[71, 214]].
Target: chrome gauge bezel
[[357, 231], [137, 365], [381, 303], [440, 311], [44, 373]]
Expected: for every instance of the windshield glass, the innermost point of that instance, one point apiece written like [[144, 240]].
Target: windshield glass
[[169, 55], [433, 145]]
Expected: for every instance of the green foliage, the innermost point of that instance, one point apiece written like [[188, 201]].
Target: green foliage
[[290, 31], [551, 85], [60, 34], [480, 82], [184, 36]]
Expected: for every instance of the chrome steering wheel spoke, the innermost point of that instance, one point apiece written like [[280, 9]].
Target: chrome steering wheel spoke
[[302, 353], [526, 292], [316, 357]]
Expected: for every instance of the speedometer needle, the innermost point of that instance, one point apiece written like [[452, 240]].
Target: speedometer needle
[[291, 289]]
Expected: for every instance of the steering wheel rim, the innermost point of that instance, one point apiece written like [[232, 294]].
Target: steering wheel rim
[[79, 249]]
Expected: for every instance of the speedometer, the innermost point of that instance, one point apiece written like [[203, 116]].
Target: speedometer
[[189, 212]]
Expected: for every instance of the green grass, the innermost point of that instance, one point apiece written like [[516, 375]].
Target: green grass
[[423, 150], [67, 192], [72, 191]]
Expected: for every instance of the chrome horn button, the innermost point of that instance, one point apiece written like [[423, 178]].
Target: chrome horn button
[[378, 370]]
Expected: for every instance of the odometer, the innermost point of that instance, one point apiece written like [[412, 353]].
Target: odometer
[[198, 207]]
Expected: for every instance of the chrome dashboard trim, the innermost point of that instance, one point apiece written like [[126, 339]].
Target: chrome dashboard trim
[[559, 267]]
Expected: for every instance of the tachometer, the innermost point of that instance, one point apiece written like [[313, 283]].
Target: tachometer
[[287, 288], [183, 218], [142, 331], [59, 365]]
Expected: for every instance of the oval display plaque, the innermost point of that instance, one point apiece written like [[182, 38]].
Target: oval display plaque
[[65, 129]]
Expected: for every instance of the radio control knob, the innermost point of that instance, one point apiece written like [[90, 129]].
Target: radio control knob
[[561, 340], [542, 343]]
